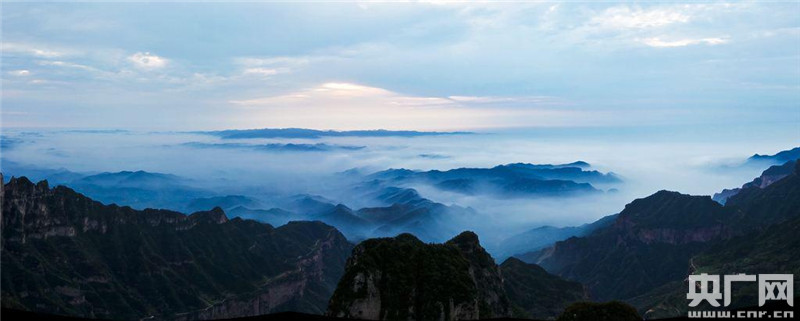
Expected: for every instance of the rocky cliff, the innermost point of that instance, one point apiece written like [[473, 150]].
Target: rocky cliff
[[650, 247], [64, 253], [402, 278]]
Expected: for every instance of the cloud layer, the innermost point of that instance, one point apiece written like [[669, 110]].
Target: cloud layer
[[417, 65]]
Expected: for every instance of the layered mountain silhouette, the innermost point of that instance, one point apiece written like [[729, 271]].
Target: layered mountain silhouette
[[226, 202], [544, 236], [653, 241], [64, 253], [403, 278], [511, 180], [394, 208], [769, 176], [137, 189], [777, 158]]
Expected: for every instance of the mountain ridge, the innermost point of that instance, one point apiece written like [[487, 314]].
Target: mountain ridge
[[65, 253]]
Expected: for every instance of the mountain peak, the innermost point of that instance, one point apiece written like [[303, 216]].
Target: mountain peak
[[468, 238], [215, 215]]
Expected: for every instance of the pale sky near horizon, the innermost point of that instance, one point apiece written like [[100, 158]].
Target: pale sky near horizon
[[421, 65]]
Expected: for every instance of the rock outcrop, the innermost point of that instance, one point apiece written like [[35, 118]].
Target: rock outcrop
[[653, 241], [64, 253], [402, 278]]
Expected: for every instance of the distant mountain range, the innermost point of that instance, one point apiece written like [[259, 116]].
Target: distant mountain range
[[511, 180], [64, 253], [276, 147], [769, 176], [400, 209], [313, 133], [138, 189], [778, 158]]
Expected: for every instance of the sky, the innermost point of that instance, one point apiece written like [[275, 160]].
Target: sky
[[427, 65]]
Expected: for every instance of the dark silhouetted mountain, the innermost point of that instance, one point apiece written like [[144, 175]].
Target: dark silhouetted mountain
[[536, 293], [312, 133], [593, 311], [402, 278], [758, 207], [769, 176], [779, 158], [225, 202], [544, 236], [769, 251], [276, 147], [653, 239], [648, 245], [64, 253]]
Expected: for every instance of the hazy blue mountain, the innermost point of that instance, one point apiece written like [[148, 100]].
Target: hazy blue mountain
[[428, 220], [64, 253], [404, 211], [130, 179], [778, 158], [574, 171], [226, 202], [544, 236], [273, 216], [54, 176], [139, 189], [512, 180], [769, 176], [313, 133], [434, 156], [394, 195], [277, 147]]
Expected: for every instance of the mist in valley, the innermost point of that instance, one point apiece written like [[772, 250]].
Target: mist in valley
[[275, 171]]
